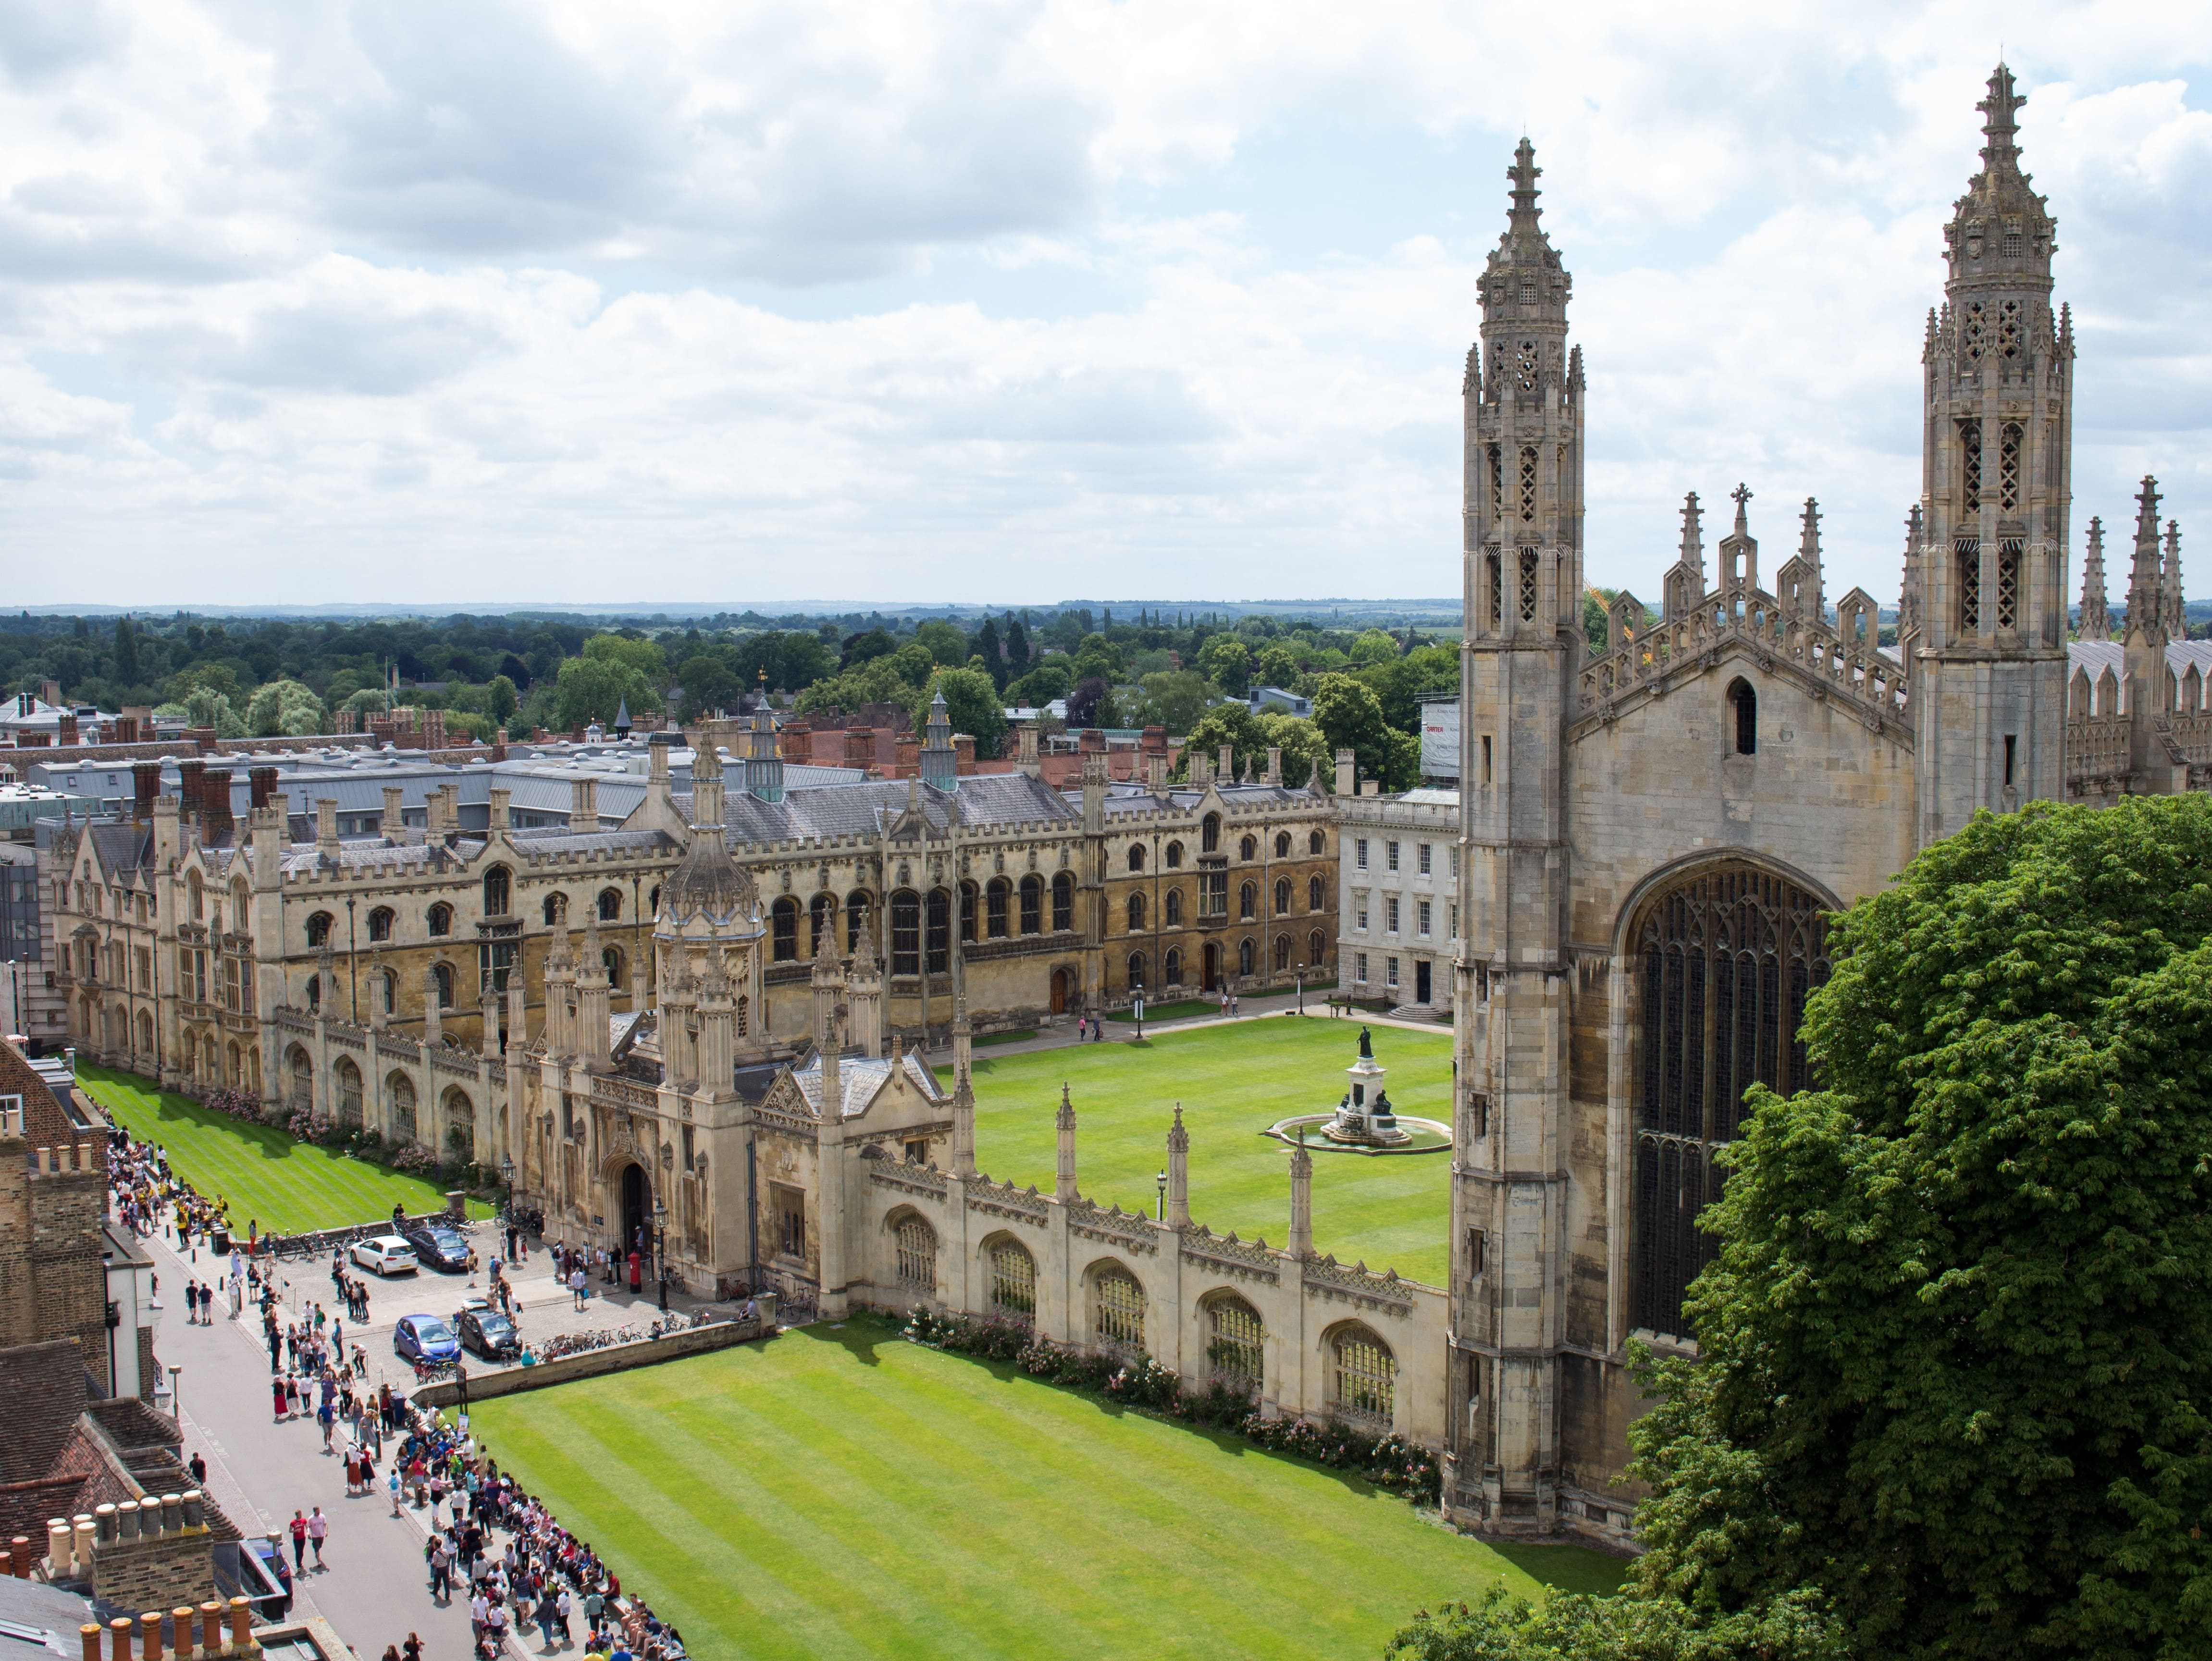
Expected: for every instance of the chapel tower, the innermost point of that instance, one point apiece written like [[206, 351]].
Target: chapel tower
[[1522, 519], [1988, 658]]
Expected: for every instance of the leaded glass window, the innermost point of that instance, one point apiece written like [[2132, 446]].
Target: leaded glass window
[[1362, 1381], [1120, 1320], [1728, 959], [1013, 1282], [1970, 463], [1969, 553], [917, 1255], [1235, 1344], [2009, 437], [1528, 584], [2009, 553]]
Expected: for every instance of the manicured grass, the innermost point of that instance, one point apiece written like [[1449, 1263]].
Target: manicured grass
[[1021, 1035], [1233, 1080], [1182, 1009], [287, 1187], [838, 1493]]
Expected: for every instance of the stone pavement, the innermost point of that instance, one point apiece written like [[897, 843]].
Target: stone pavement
[[373, 1586]]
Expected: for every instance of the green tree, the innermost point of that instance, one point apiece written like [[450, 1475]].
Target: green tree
[[1231, 723], [1048, 681], [126, 651], [1300, 743], [1278, 665], [986, 646], [1017, 648], [944, 643], [803, 659], [1098, 658], [205, 707], [1350, 716], [1175, 699], [593, 687], [708, 685], [1956, 1348], [634, 650], [1576, 1627], [861, 648], [500, 699], [972, 704], [283, 708], [1227, 662], [1373, 646]]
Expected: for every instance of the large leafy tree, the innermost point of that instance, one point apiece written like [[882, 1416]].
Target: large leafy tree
[[1956, 1364], [972, 705], [1350, 716]]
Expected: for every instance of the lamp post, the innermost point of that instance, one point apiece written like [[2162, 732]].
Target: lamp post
[[176, 1400], [1163, 1181], [660, 1247], [506, 1176], [1137, 1008], [1299, 976]]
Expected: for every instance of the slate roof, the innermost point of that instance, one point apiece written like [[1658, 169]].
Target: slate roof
[[1182, 801], [859, 1078], [864, 809], [2095, 656]]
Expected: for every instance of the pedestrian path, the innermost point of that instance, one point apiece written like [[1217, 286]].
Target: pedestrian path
[[372, 1586]]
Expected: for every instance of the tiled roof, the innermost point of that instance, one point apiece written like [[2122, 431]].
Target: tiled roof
[[865, 808]]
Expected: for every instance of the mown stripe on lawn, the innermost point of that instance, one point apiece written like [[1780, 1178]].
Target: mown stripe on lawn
[[844, 1495]]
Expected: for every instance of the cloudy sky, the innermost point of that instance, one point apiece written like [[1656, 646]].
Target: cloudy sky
[[499, 303]]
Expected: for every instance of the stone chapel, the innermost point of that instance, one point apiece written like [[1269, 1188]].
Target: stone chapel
[[1652, 833]]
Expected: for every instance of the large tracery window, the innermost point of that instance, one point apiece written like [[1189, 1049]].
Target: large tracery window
[[1013, 1281], [1235, 1344], [1726, 962], [917, 1255]]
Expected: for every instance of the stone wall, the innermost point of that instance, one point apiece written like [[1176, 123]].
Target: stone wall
[[596, 1363]]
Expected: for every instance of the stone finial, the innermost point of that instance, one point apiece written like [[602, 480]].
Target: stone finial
[[2174, 624], [1178, 1172], [2145, 579], [1063, 1184], [1301, 1241], [2096, 616]]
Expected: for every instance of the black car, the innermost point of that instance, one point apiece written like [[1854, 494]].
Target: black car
[[438, 1246], [489, 1334]]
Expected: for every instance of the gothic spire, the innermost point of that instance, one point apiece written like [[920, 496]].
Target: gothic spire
[[1694, 536], [2096, 617], [1523, 281], [2146, 580], [1999, 128], [1524, 173], [2175, 624], [1908, 596]]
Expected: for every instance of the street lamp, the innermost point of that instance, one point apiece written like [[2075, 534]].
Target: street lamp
[[506, 1176], [1163, 1181], [1299, 975], [1137, 1008], [176, 1401], [660, 1247]]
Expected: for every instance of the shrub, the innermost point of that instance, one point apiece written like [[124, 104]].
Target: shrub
[[1390, 1462], [414, 1160]]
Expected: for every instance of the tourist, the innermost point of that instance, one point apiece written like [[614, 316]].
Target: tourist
[[298, 1527], [577, 1287], [319, 1528]]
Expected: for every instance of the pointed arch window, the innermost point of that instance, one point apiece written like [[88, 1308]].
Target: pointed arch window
[[937, 942], [1494, 588], [1727, 961], [1529, 574], [1970, 463], [1743, 704], [2008, 441], [1968, 555], [1529, 485], [906, 933], [2009, 553]]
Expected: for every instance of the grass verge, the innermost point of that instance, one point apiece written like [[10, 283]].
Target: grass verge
[[287, 1187]]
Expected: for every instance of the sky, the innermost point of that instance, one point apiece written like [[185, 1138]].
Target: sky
[[497, 304]]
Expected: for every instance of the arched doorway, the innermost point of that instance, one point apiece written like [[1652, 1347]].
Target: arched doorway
[[636, 1211], [1060, 991], [1210, 967]]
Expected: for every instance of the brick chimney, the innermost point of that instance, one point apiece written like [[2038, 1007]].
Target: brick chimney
[[67, 736], [146, 785], [263, 782], [188, 786], [216, 821]]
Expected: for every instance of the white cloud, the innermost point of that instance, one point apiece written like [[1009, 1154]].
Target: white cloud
[[897, 301]]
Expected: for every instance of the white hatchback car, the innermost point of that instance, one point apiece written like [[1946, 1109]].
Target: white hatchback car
[[388, 1254]]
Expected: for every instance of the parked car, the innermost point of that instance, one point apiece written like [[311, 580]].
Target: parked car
[[388, 1254], [438, 1246], [425, 1338], [490, 1334]]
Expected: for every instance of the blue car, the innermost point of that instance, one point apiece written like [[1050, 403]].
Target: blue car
[[425, 1338]]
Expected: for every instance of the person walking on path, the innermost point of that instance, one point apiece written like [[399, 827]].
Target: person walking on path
[[299, 1540], [319, 1528], [577, 1287]]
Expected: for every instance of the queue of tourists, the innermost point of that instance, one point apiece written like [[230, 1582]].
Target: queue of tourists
[[544, 1577]]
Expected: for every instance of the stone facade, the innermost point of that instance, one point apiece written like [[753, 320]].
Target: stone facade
[[1652, 831], [1399, 915], [384, 980]]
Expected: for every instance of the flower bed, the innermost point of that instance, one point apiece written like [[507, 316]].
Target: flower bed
[[1389, 1462]]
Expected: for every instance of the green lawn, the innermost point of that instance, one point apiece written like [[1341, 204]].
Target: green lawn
[[287, 1187], [1233, 1081], [838, 1493]]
